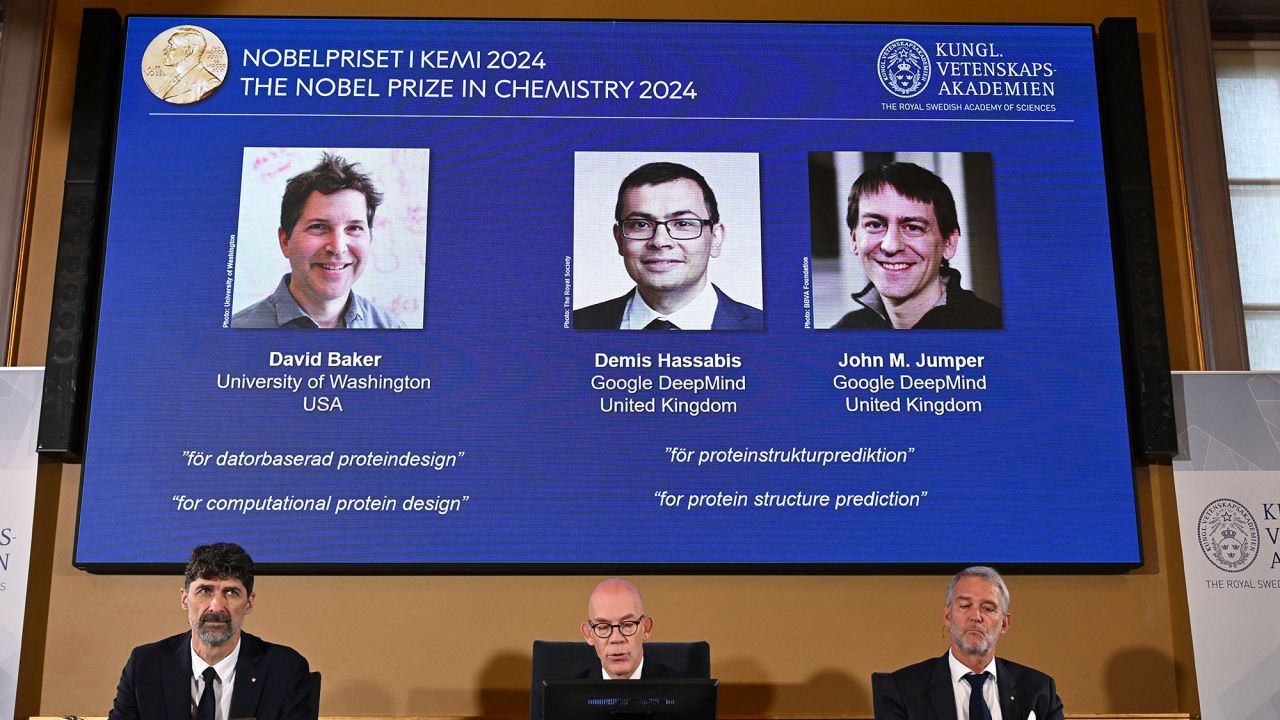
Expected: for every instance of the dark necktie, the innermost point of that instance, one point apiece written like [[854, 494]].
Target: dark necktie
[[205, 710], [978, 709], [660, 324]]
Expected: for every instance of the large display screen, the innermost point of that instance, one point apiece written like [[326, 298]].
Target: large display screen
[[531, 294]]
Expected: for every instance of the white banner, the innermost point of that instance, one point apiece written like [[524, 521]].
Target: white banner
[[1227, 476], [19, 415]]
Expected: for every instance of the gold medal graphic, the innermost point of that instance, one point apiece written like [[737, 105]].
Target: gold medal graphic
[[184, 64]]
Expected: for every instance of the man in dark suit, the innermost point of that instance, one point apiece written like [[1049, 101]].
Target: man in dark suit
[[969, 682], [667, 230], [617, 626], [215, 671]]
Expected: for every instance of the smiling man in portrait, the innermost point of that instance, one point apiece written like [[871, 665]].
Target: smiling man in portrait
[[667, 229], [904, 227], [326, 234]]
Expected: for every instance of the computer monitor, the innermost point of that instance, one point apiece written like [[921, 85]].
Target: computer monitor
[[653, 699]]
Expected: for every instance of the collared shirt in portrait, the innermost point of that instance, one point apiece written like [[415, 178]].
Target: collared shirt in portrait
[[697, 315], [280, 310]]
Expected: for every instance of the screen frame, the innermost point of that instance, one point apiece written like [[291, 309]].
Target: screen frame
[[1126, 362]]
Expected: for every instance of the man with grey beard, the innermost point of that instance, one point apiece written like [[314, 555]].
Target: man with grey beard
[[969, 682], [214, 671]]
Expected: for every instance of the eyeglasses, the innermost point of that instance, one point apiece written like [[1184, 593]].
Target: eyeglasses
[[627, 627], [677, 229]]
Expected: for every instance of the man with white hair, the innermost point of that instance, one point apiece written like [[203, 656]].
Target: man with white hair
[[969, 682]]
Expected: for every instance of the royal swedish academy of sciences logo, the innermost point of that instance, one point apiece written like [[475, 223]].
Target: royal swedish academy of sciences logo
[[1228, 535], [904, 68]]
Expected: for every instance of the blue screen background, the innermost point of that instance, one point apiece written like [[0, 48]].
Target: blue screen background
[[1042, 475]]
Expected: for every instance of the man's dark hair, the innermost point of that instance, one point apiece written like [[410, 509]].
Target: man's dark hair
[[220, 561], [911, 181], [659, 173], [333, 173]]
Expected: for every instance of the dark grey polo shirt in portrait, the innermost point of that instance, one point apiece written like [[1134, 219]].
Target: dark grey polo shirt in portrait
[[279, 310]]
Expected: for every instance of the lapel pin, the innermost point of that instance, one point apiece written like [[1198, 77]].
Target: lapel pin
[[256, 680]]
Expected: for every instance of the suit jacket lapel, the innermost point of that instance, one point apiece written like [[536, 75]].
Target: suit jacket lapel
[[176, 680], [941, 696], [249, 678], [1012, 705], [724, 317], [730, 315], [619, 310]]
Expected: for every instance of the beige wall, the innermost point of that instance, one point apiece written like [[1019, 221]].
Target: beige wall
[[783, 645]]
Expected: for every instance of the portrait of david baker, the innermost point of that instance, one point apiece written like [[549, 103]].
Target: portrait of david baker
[[904, 230], [326, 235]]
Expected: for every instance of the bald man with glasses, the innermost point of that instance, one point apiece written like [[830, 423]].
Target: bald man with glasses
[[617, 626]]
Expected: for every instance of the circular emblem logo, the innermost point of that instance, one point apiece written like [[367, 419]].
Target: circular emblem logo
[[1228, 535], [904, 68], [184, 64]]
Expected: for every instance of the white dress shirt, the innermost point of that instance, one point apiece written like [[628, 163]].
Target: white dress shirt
[[962, 689], [697, 315], [226, 669]]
